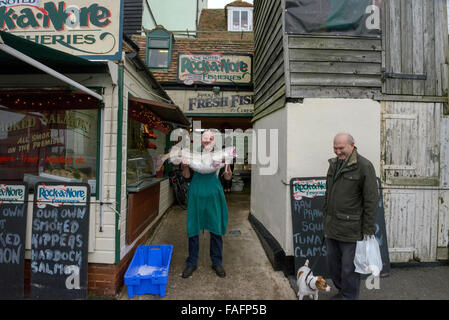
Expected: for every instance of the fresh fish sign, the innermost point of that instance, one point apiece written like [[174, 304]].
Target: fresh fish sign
[[91, 29]]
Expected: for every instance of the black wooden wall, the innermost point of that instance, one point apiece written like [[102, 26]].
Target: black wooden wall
[[132, 22]]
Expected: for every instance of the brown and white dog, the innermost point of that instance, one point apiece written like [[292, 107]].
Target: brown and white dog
[[308, 284]]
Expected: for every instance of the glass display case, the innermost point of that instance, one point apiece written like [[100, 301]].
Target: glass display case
[[139, 169]]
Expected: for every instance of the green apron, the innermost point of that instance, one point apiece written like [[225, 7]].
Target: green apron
[[206, 205]]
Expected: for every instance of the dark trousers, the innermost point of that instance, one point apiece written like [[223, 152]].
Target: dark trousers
[[340, 261], [216, 250]]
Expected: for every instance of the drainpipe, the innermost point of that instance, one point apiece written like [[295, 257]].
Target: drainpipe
[[118, 185]]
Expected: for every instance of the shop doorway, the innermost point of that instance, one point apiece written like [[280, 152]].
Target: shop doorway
[[241, 178]]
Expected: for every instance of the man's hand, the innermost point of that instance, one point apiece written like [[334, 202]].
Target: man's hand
[[185, 162], [228, 172]]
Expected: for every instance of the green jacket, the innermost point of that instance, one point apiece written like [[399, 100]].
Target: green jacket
[[351, 199]]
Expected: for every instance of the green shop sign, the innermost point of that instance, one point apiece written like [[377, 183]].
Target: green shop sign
[[91, 29], [214, 69]]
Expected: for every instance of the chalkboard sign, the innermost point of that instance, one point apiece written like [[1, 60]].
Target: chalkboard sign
[[59, 241], [13, 218], [307, 198]]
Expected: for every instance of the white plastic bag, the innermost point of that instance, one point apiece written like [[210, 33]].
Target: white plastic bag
[[367, 257]]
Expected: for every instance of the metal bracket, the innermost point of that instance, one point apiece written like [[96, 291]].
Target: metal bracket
[[392, 75]]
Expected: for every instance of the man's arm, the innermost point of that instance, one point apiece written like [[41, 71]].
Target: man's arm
[[370, 201]]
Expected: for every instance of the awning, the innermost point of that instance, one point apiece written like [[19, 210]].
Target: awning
[[21, 56], [52, 58], [167, 112]]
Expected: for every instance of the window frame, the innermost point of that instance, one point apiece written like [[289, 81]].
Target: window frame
[[169, 47], [231, 12]]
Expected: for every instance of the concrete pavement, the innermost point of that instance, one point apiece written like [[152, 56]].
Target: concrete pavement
[[250, 275]]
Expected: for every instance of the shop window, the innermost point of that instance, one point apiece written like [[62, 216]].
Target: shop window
[[48, 137], [240, 19], [146, 139], [159, 49]]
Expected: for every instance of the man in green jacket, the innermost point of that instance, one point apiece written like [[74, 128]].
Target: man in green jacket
[[350, 208]]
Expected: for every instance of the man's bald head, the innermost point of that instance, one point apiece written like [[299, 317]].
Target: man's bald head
[[343, 145], [344, 135]]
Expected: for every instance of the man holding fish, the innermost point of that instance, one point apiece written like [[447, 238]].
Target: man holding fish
[[206, 202]]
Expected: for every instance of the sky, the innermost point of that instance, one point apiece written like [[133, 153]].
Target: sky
[[220, 4]]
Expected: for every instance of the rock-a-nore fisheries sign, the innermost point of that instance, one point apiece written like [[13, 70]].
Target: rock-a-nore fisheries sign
[[92, 29], [214, 68], [308, 188], [13, 218], [56, 195], [59, 241]]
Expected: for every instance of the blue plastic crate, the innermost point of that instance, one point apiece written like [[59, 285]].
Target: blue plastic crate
[[148, 270]]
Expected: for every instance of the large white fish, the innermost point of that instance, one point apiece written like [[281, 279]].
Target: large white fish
[[202, 162]]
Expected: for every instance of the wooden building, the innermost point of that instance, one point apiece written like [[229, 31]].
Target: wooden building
[[319, 71]]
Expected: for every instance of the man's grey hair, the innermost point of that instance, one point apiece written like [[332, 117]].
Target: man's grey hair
[[349, 137]]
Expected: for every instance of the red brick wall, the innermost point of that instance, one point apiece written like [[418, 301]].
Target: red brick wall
[[204, 45]]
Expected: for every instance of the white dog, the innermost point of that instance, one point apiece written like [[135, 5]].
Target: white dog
[[308, 284]]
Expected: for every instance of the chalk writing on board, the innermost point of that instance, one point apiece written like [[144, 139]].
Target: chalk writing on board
[[13, 216], [308, 241], [307, 196], [307, 199], [59, 239], [10, 242]]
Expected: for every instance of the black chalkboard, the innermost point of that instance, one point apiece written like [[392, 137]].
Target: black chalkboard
[[59, 241], [307, 199], [13, 218]]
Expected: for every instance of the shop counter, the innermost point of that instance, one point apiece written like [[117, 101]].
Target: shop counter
[[143, 207]]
